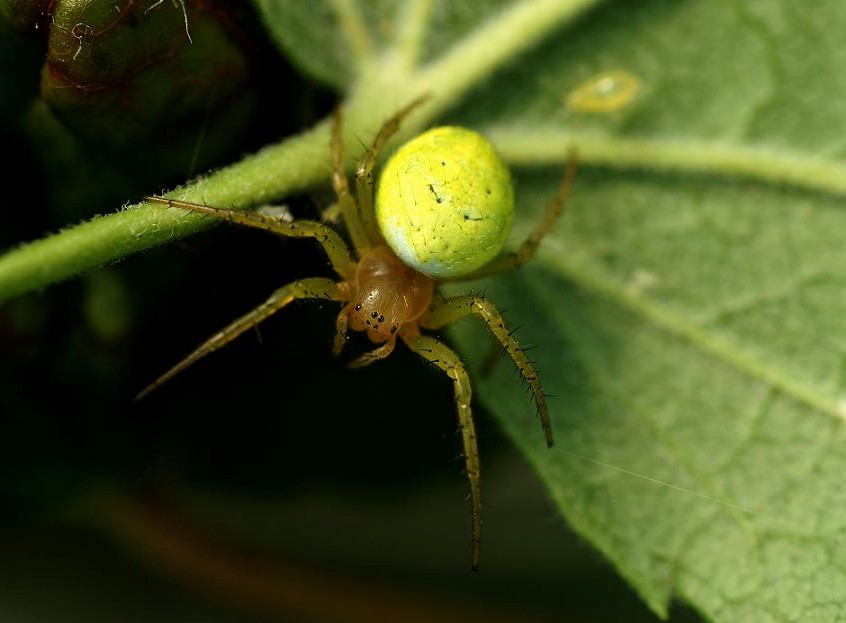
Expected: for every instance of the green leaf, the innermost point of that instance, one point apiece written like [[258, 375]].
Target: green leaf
[[690, 310], [691, 327]]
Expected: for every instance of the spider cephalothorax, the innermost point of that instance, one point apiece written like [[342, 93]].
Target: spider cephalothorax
[[443, 210], [374, 305]]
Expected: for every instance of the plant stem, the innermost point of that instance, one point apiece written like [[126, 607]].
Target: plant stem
[[293, 165]]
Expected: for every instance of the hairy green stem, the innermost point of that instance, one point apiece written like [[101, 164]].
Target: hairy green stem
[[295, 164]]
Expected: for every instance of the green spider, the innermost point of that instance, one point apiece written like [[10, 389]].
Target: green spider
[[442, 213]]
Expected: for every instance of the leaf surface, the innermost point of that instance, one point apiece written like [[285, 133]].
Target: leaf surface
[[691, 326]]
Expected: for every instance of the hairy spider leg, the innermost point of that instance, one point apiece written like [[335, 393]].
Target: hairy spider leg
[[439, 354], [452, 309], [527, 250], [334, 246], [312, 288], [364, 169], [340, 184]]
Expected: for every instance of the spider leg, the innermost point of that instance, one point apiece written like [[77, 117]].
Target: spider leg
[[527, 250], [336, 249], [374, 355], [440, 355], [332, 214], [313, 288], [349, 208], [364, 169], [452, 309], [341, 324]]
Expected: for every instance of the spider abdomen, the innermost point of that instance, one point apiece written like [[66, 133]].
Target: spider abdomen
[[387, 295], [445, 202]]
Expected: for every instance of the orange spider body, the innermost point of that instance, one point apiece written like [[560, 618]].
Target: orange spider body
[[389, 296]]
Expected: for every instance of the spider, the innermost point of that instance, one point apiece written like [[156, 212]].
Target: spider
[[457, 179]]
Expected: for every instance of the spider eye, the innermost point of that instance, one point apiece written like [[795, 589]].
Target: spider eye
[[445, 202]]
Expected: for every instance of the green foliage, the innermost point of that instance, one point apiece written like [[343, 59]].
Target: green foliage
[[689, 312], [113, 74]]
